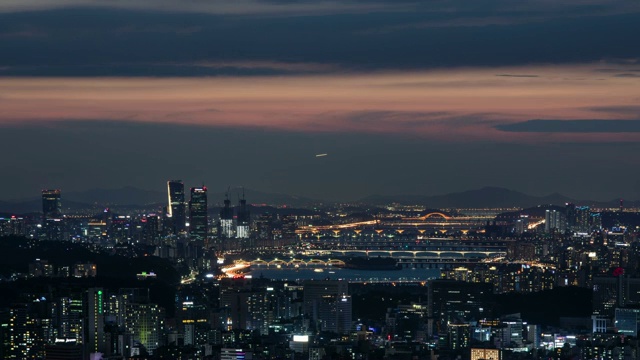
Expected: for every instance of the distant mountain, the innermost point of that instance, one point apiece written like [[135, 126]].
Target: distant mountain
[[259, 197], [20, 207], [35, 206], [127, 195], [493, 197]]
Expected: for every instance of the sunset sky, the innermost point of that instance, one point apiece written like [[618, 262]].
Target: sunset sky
[[405, 97]]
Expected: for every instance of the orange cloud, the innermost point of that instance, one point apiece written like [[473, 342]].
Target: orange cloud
[[453, 105]]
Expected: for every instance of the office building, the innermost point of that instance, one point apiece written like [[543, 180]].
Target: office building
[[69, 317], [95, 321], [626, 321], [235, 354], [226, 220], [51, 204], [485, 354], [264, 226], [145, 323], [52, 219], [63, 350], [328, 304], [452, 301], [151, 229], [198, 218], [459, 336], [176, 206], [334, 313], [289, 226], [610, 292], [243, 220], [555, 221]]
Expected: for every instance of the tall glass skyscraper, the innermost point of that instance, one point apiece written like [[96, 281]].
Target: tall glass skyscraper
[[52, 220], [243, 220], [176, 206], [198, 219], [51, 204], [226, 220]]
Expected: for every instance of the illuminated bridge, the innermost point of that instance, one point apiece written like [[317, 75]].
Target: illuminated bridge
[[433, 220], [293, 262], [433, 215], [417, 254], [409, 248]]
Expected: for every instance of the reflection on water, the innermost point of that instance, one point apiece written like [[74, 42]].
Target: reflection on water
[[334, 273]]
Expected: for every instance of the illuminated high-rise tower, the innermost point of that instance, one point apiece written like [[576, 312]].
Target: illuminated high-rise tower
[[198, 219], [51, 204], [95, 321], [243, 220], [144, 321], [226, 219], [176, 207], [52, 219]]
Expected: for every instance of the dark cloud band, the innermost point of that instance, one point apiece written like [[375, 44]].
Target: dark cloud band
[[573, 126]]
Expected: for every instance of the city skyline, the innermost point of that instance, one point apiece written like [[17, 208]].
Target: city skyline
[[486, 197], [505, 197], [319, 179]]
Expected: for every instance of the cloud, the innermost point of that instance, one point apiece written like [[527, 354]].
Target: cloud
[[616, 70], [447, 105], [573, 126], [627, 110], [275, 66], [119, 41], [217, 7], [518, 75], [627, 75]]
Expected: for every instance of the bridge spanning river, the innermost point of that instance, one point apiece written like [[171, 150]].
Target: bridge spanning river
[[430, 221]]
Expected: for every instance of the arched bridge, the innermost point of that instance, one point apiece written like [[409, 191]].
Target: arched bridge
[[294, 262], [431, 215]]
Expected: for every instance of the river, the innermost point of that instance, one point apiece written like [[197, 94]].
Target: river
[[335, 273]]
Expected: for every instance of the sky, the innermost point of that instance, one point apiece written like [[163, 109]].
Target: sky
[[404, 97]]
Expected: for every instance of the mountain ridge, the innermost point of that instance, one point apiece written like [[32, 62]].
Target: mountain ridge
[[488, 196]]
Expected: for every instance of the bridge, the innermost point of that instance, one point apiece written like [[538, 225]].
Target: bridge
[[315, 229], [293, 262], [392, 225], [429, 215], [418, 254]]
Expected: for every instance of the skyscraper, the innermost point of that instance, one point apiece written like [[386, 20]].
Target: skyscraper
[[198, 219], [95, 321], [555, 221], [327, 302], [583, 219], [226, 220], [144, 321], [264, 226], [456, 301], [51, 204], [52, 220], [150, 229], [176, 207], [242, 229]]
